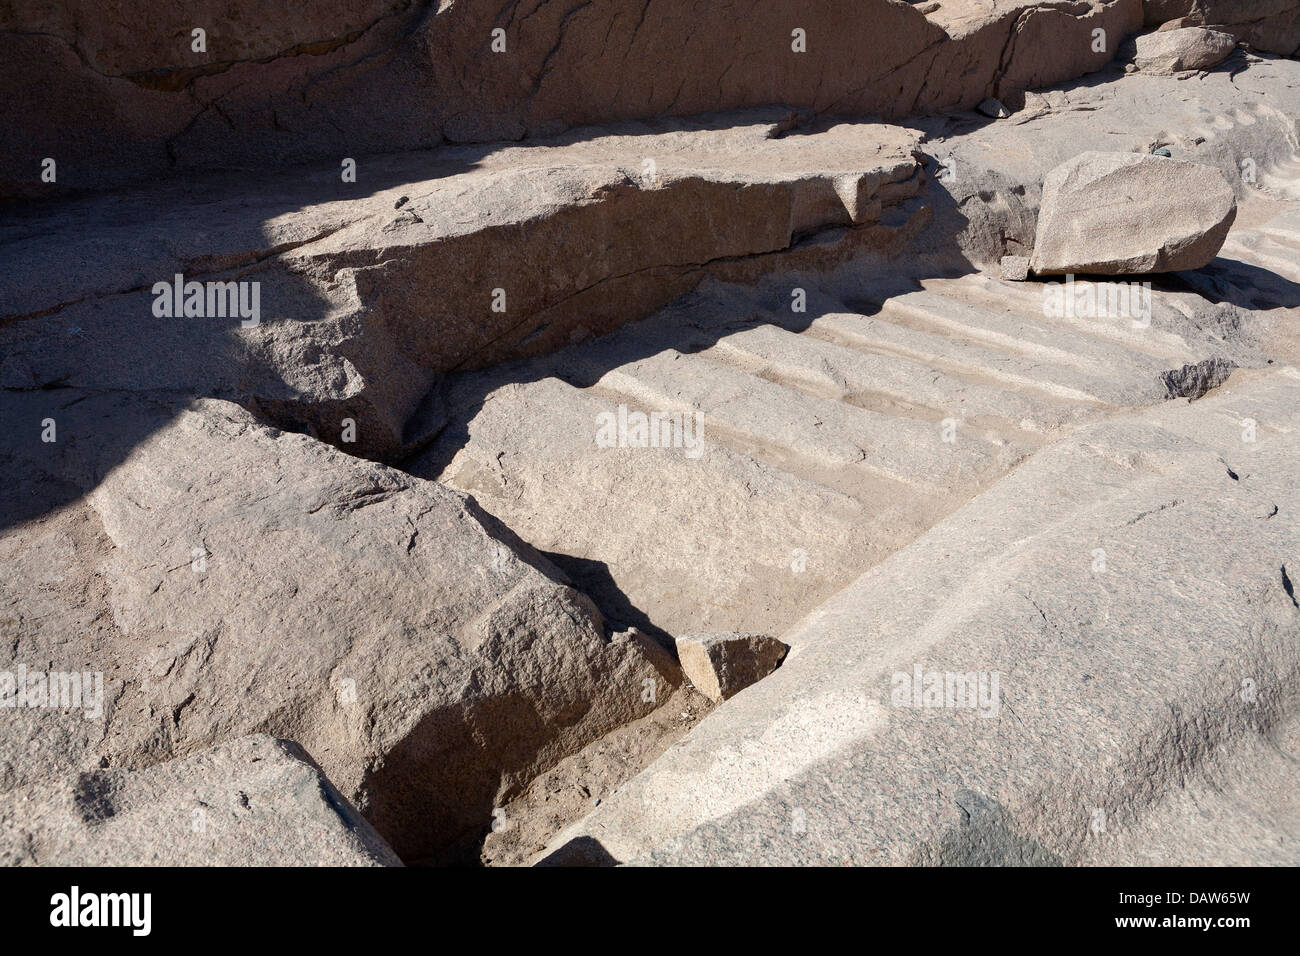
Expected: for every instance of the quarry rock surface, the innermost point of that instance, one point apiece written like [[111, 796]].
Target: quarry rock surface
[[850, 431], [245, 580], [364, 300], [337, 80], [254, 801], [947, 702], [1270, 26]]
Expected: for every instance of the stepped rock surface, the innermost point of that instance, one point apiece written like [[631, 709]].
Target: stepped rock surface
[[558, 432], [1104, 668]]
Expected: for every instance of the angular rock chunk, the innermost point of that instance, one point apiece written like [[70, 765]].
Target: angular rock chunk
[[255, 801], [722, 665], [1124, 213], [1189, 48], [238, 579], [993, 108], [1015, 268], [1194, 380]]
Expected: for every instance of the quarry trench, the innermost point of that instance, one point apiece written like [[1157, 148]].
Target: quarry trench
[[832, 436], [840, 435], [829, 438]]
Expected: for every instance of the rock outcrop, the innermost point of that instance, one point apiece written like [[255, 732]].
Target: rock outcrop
[[136, 96], [385, 384], [1121, 214], [1270, 26], [444, 261], [255, 801], [245, 580]]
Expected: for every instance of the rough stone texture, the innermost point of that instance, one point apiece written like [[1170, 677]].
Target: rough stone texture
[[993, 173], [1015, 268], [254, 801], [1189, 48], [1115, 679], [368, 295], [820, 445], [1271, 26], [993, 108], [1193, 381], [722, 665], [859, 373], [424, 657], [341, 79], [1241, 808], [1120, 214], [569, 790]]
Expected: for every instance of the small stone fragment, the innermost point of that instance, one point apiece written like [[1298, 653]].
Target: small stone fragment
[[993, 108], [721, 665], [1015, 268]]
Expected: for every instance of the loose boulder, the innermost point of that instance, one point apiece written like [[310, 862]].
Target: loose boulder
[[722, 665], [1126, 214], [1189, 48], [993, 108], [1266, 26]]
